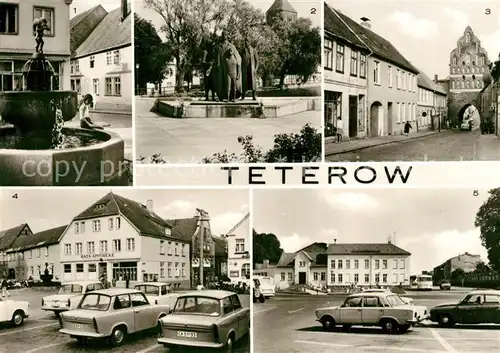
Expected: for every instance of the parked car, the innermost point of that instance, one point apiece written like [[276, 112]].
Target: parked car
[[477, 307], [267, 286], [383, 309], [111, 313], [13, 311], [445, 285], [210, 319], [407, 300], [69, 296], [257, 294], [158, 293], [466, 124]]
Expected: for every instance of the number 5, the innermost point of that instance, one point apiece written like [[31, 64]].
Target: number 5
[[475, 193]]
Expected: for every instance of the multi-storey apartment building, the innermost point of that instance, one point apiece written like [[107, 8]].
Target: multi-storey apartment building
[[17, 43], [431, 108], [7, 238], [466, 262], [238, 250], [391, 79]]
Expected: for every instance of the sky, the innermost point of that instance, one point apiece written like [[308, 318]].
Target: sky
[[303, 8], [79, 6], [48, 208], [432, 224], [426, 31]]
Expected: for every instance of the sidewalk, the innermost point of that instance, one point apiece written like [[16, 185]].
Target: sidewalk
[[332, 148], [487, 148]]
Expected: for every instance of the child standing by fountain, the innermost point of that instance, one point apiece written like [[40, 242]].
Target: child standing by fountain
[[85, 122]]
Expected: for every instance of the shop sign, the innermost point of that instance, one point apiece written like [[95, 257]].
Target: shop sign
[[97, 256]]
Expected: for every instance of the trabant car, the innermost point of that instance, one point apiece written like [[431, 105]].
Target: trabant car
[[13, 311], [445, 285], [383, 309], [210, 318], [111, 313], [257, 293], [477, 307], [407, 300], [69, 296], [158, 293]]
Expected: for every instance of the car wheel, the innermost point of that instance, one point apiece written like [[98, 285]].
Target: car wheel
[[389, 326], [328, 323], [262, 299], [118, 335], [18, 318], [404, 328], [57, 314], [446, 321], [229, 344], [346, 327], [81, 340]]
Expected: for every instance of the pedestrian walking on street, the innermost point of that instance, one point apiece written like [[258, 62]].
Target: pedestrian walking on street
[[340, 129], [407, 128], [5, 292], [127, 281]]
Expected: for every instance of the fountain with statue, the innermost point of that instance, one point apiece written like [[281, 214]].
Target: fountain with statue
[[35, 147]]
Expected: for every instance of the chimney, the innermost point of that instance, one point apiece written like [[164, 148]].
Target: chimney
[[365, 22], [435, 78], [124, 9], [149, 205]]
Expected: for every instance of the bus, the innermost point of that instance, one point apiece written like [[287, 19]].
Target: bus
[[424, 282], [267, 286]]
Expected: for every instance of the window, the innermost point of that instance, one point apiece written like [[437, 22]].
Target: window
[[403, 80], [356, 264], [138, 299], [323, 276], [377, 278], [390, 76], [109, 58], [169, 269], [339, 276], [79, 268], [402, 264], [48, 14], [328, 54], [113, 86], [398, 79], [283, 277], [67, 250], [339, 264], [377, 264], [103, 245], [110, 223], [92, 268], [339, 67], [183, 270], [130, 244], [384, 264], [9, 16], [117, 245], [162, 247], [356, 278], [77, 228], [367, 264], [176, 249], [398, 112], [376, 73], [177, 273], [95, 85], [354, 63], [362, 65], [332, 276], [78, 249], [96, 225], [183, 250], [82, 227], [332, 264], [90, 247], [162, 269], [316, 276], [39, 252], [67, 268], [384, 278], [116, 57], [240, 245], [367, 278], [290, 277], [118, 222], [92, 61], [395, 264], [302, 264], [333, 107], [348, 264]]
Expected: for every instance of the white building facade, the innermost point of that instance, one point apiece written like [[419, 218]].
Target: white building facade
[[238, 250]]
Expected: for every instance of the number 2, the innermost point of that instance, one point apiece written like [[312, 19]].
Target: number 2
[[313, 11]]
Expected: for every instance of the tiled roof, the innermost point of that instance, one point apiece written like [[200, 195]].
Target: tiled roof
[[424, 81], [8, 236], [380, 47], [185, 227], [220, 246], [336, 27], [43, 238], [285, 259], [111, 33], [365, 249], [82, 25], [148, 223], [316, 252], [281, 5]]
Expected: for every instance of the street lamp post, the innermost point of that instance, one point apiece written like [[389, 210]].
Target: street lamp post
[[137, 66]]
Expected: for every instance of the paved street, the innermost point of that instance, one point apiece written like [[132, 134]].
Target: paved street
[[190, 140], [40, 333], [445, 146], [287, 324]]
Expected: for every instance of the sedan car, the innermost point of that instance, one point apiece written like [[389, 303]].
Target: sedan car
[[158, 293], [69, 296], [210, 318], [111, 313], [383, 309], [407, 300], [445, 285], [13, 311], [466, 124], [477, 307]]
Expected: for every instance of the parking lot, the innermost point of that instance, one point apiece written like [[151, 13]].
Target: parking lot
[[40, 333], [287, 324]]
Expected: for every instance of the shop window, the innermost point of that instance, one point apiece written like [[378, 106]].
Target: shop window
[[9, 17], [79, 268], [48, 14]]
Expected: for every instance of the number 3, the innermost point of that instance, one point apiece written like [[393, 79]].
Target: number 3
[[487, 11]]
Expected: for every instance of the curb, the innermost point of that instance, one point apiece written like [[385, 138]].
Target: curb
[[118, 112], [382, 144]]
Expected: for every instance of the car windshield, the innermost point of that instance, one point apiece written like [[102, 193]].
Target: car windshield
[[70, 289], [198, 306], [394, 300], [267, 281], [445, 282], [148, 289], [95, 301]]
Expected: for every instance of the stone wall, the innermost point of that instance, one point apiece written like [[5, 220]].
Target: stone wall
[[456, 101]]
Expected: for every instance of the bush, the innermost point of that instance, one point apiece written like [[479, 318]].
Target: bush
[[288, 148]]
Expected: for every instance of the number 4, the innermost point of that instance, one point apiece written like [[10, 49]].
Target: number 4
[[15, 196]]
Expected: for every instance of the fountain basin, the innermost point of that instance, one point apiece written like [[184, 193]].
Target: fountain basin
[[35, 111], [101, 162]]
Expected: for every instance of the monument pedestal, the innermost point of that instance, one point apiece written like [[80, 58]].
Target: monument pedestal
[[238, 109]]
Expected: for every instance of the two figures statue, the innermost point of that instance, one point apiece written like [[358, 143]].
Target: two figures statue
[[229, 76], [39, 28]]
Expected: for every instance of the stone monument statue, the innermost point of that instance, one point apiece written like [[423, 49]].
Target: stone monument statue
[[210, 68], [39, 28], [250, 64], [231, 70]]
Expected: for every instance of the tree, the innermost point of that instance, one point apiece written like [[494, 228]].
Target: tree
[[457, 275], [482, 268], [151, 54], [266, 246], [488, 222]]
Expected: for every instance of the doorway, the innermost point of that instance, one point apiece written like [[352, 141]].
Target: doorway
[[103, 271], [389, 119], [353, 116], [302, 278], [375, 113]]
